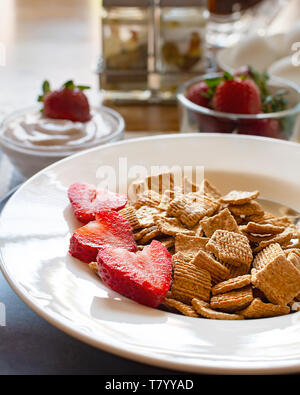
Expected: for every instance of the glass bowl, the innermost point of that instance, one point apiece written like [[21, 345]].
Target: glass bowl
[[30, 159], [283, 125]]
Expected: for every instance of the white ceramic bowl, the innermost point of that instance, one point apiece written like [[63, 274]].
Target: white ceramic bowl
[[36, 224], [29, 161]]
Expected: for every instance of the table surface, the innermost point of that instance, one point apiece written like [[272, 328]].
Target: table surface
[[59, 40]]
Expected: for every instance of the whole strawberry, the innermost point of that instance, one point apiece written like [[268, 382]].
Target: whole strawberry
[[261, 127], [237, 96], [199, 94], [69, 102]]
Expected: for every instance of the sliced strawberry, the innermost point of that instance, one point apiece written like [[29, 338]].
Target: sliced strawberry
[[144, 277], [110, 228], [88, 201]]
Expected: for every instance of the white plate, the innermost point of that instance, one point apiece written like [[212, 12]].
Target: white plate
[[37, 222]]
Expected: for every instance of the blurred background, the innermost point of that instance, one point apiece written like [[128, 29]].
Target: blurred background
[[61, 39]]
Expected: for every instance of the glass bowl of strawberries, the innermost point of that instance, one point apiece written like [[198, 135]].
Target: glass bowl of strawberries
[[247, 102]]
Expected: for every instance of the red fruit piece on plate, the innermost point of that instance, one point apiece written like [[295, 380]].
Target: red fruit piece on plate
[[261, 127], [88, 201], [144, 277], [109, 228], [198, 94], [237, 96]]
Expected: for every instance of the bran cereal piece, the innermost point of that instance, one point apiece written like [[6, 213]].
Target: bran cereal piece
[[223, 220], [231, 284], [268, 218], [281, 238], [189, 244], [295, 259], [205, 311], [247, 209], [235, 271], [279, 279], [129, 213], [288, 251], [206, 188], [167, 197], [158, 183], [161, 182], [189, 281], [145, 216], [94, 266], [232, 301], [181, 307], [262, 229], [198, 230], [230, 247], [258, 239], [168, 242], [147, 234], [206, 261], [267, 255], [147, 198], [259, 309], [171, 226], [191, 208], [189, 185], [239, 197]]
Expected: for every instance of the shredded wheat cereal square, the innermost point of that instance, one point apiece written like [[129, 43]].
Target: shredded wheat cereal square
[[145, 216], [171, 226], [279, 280], [268, 255], [281, 238], [230, 247], [189, 244], [191, 208], [232, 301], [259, 309], [129, 213], [206, 261], [204, 310], [208, 189], [147, 198], [223, 220], [181, 307], [231, 284], [189, 281], [239, 197], [247, 209], [262, 229]]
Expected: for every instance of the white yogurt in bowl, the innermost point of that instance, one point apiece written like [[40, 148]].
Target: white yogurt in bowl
[[33, 141]]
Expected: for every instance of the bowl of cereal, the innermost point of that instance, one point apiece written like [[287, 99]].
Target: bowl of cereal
[[185, 261]]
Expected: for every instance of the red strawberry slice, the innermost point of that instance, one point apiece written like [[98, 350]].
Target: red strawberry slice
[[144, 277], [88, 201], [110, 228]]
